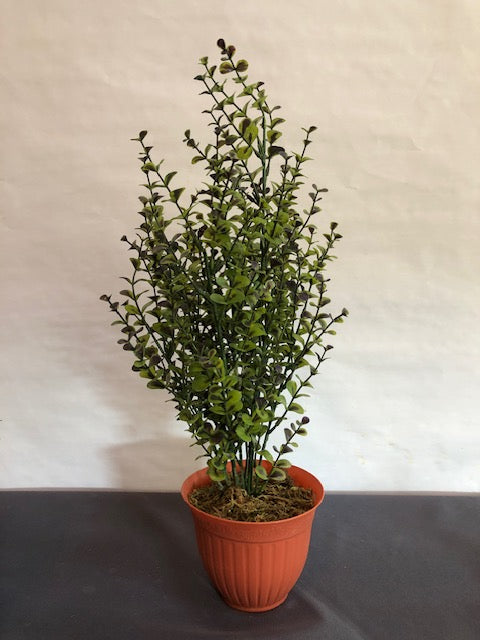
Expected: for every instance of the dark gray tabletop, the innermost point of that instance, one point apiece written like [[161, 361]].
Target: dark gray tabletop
[[113, 565]]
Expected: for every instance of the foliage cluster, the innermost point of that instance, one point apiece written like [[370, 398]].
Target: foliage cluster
[[227, 312]]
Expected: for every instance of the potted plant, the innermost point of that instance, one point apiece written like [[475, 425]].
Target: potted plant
[[226, 310]]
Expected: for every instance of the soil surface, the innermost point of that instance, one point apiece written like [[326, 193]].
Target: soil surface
[[278, 502]]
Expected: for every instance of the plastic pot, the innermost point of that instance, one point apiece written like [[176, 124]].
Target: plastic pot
[[254, 565]]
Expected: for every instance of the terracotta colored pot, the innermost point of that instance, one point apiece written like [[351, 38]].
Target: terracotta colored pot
[[254, 565]]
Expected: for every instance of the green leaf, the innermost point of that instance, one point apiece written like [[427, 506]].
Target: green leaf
[[296, 408], [221, 281], [234, 401], [176, 193], [218, 409], [242, 434], [226, 67], [163, 328], [275, 151], [246, 345], [291, 387], [243, 153], [155, 384], [242, 65], [264, 453], [169, 176], [261, 472], [235, 295], [241, 281], [130, 308], [216, 475], [251, 132], [277, 475], [246, 419], [255, 330], [201, 383], [244, 124], [272, 136], [283, 464], [217, 298]]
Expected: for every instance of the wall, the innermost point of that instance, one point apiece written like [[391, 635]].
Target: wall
[[394, 90]]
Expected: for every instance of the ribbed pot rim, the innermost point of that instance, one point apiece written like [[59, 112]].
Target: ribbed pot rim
[[312, 483]]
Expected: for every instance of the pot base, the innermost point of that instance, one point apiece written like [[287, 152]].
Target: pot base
[[269, 607]]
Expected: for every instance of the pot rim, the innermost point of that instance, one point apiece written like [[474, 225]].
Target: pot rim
[[313, 484]]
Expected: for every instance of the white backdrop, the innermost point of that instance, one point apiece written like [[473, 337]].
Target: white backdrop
[[394, 89]]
